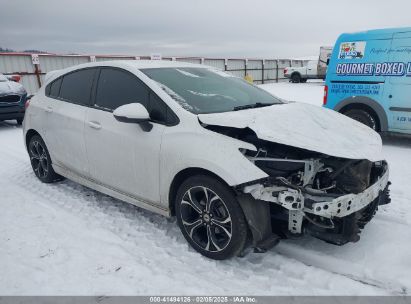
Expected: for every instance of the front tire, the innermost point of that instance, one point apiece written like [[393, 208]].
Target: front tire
[[40, 160], [210, 217], [363, 117]]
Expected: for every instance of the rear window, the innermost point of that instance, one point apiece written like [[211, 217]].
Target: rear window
[[76, 86], [55, 88]]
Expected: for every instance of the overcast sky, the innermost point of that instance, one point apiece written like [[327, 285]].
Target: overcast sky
[[233, 28]]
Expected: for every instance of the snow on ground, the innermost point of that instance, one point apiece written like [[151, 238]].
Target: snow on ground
[[64, 239], [311, 92]]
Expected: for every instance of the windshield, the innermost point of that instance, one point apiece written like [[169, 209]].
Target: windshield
[[202, 90]]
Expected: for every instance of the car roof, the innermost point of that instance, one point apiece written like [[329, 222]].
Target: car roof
[[141, 64], [125, 64]]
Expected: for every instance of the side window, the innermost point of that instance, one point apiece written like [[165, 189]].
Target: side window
[[116, 88], [48, 90], [160, 112], [76, 86], [157, 109], [55, 88]]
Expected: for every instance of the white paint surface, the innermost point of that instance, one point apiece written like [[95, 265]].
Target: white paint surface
[[305, 126]]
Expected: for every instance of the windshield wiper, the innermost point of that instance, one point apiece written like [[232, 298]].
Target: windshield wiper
[[252, 106]]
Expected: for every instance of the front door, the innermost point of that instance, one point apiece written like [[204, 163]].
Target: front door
[[122, 156]]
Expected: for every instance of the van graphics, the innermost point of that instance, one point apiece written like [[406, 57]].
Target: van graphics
[[359, 69], [352, 50], [403, 119], [355, 89], [396, 51], [377, 69]]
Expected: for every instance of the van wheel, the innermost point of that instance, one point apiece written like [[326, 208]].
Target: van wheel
[[210, 217], [40, 160], [295, 78], [363, 117]]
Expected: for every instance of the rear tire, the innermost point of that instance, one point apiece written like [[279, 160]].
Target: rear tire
[[40, 160], [210, 217], [295, 78], [363, 117]]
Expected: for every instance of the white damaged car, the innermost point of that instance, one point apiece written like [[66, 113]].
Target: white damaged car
[[237, 166]]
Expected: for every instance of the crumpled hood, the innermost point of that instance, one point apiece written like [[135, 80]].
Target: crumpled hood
[[11, 87], [305, 126]]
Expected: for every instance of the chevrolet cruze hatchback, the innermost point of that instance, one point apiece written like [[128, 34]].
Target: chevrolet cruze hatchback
[[237, 166]]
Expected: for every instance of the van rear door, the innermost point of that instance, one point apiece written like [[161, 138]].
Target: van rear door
[[398, 90]]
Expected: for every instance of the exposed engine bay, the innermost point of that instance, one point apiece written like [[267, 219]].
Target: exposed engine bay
[[328, 197]]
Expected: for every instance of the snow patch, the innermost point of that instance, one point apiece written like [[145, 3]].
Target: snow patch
[[185, 73]]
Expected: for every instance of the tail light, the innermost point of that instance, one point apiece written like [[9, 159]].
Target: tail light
[[16, 78], [325, 95], [27, 103], [285, 71]]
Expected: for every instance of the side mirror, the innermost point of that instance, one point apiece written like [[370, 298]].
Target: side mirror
[[131, 113]]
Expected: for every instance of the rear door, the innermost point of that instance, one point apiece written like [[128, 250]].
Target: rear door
[[398, 92], [71, 96]]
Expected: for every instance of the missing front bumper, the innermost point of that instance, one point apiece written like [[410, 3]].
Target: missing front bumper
[[350, 203], [347, 229], [336, 220]]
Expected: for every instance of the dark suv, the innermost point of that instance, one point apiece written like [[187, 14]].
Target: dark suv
[[12, 99]]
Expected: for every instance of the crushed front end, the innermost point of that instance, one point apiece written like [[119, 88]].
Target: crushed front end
[[309, 191], [327, 197]]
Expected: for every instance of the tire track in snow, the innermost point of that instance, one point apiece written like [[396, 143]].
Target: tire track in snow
[[311, 258]]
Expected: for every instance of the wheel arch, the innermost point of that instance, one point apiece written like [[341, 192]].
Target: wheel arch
[[256, 213], [368, 104], [29, 134], [181, 176]]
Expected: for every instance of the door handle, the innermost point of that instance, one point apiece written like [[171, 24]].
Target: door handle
[[94, 125], [49, 109]]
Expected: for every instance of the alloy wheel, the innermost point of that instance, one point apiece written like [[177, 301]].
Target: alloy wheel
[[38, 158], [206, 219]]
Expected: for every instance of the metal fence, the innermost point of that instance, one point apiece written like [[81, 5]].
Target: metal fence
[[33, 67]]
